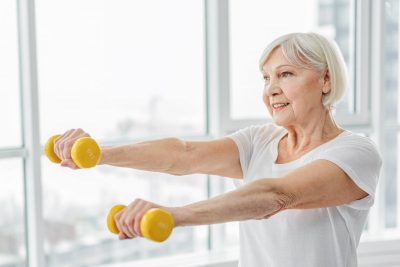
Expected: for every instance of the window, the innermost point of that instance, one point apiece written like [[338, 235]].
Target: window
[[132, 70], [12, 222], [254, 24], [122, 72], [12, 228], [9, 81]]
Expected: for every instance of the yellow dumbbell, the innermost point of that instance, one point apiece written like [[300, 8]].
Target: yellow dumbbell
[[85, 152], [156, 224]]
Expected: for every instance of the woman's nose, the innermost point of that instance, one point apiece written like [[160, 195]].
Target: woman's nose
[[272, 89]]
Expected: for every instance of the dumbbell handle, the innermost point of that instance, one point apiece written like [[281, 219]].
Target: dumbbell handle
[[85, 152], [156, 224]]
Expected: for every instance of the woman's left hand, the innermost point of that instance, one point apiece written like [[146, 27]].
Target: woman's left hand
[[128, 220]]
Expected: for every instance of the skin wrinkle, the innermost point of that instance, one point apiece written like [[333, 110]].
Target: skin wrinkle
[[285, 199], [259, 200]]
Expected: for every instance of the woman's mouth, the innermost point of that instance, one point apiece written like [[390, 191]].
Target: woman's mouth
[[279, 106]]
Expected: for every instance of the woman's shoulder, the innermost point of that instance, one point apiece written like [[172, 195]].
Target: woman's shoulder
[[348, 141], [355, 154], [351, 138]]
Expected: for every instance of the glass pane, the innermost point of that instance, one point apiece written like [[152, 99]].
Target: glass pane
[[255, 23], [12, 229], [9, 79], [76, 204], [390, 170], [391, 111], [122, 69]]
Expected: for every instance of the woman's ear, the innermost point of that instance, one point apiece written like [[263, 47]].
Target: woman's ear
[[327, 83]]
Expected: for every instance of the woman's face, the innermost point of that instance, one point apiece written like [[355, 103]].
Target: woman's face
[[293, 95]]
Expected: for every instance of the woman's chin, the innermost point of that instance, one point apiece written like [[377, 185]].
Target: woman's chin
[[280, 122]]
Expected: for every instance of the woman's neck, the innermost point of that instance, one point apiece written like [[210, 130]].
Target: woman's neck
[[314, 133]]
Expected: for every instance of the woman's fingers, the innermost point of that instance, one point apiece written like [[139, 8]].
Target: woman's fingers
[[69, 163], [59, 143], [125, 225], [63, 146], [128, 220], [133, 219], [122, 236], [67, 143], [67, 147], [120, 221], [118, 218], [138, 219]]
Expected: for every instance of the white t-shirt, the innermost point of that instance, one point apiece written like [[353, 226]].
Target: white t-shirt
[[323, 237]]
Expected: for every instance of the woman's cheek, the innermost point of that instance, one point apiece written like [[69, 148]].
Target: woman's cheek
[[265, 99], [266, 102]]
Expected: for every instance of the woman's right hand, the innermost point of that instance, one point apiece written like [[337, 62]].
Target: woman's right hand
[[63, 146]]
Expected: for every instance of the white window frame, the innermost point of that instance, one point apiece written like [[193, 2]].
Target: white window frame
[[376, 81], [30, 132]]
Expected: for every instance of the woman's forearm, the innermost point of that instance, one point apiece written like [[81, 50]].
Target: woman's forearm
[[257, 200], [164, 155]]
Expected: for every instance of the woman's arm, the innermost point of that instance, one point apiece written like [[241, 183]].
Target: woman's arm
[[169, 155], [248, 202], [316, 185], [178, 157]]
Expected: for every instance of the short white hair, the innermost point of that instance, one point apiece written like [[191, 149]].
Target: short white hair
[[313, 51]]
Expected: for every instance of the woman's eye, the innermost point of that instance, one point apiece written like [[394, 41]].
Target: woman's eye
[[266, 78], [286, 74]]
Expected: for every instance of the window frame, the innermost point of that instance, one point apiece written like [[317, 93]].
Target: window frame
[[30, 133], [376, 9]]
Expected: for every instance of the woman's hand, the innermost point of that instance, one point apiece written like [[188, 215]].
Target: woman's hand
[[63, 146], [128, 220]]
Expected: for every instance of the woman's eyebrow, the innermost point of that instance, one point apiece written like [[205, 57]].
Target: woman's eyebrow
[[278, 67], [285, 65]]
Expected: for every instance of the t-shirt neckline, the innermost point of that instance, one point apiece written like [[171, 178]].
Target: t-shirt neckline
[[296, 161]]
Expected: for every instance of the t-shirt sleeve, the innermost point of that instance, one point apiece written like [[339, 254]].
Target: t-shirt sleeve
[[359, 157], [247, 140], [244, 142]]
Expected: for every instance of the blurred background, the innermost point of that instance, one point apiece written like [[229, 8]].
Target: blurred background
[[133, 70]]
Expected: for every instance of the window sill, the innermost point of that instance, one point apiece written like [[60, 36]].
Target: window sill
[[226, 258], [372, 252], [380, 252]]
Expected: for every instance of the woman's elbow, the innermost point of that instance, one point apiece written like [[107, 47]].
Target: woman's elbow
[[276, 199]]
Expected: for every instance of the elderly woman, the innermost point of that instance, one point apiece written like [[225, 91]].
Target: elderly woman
[[304, 185]]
